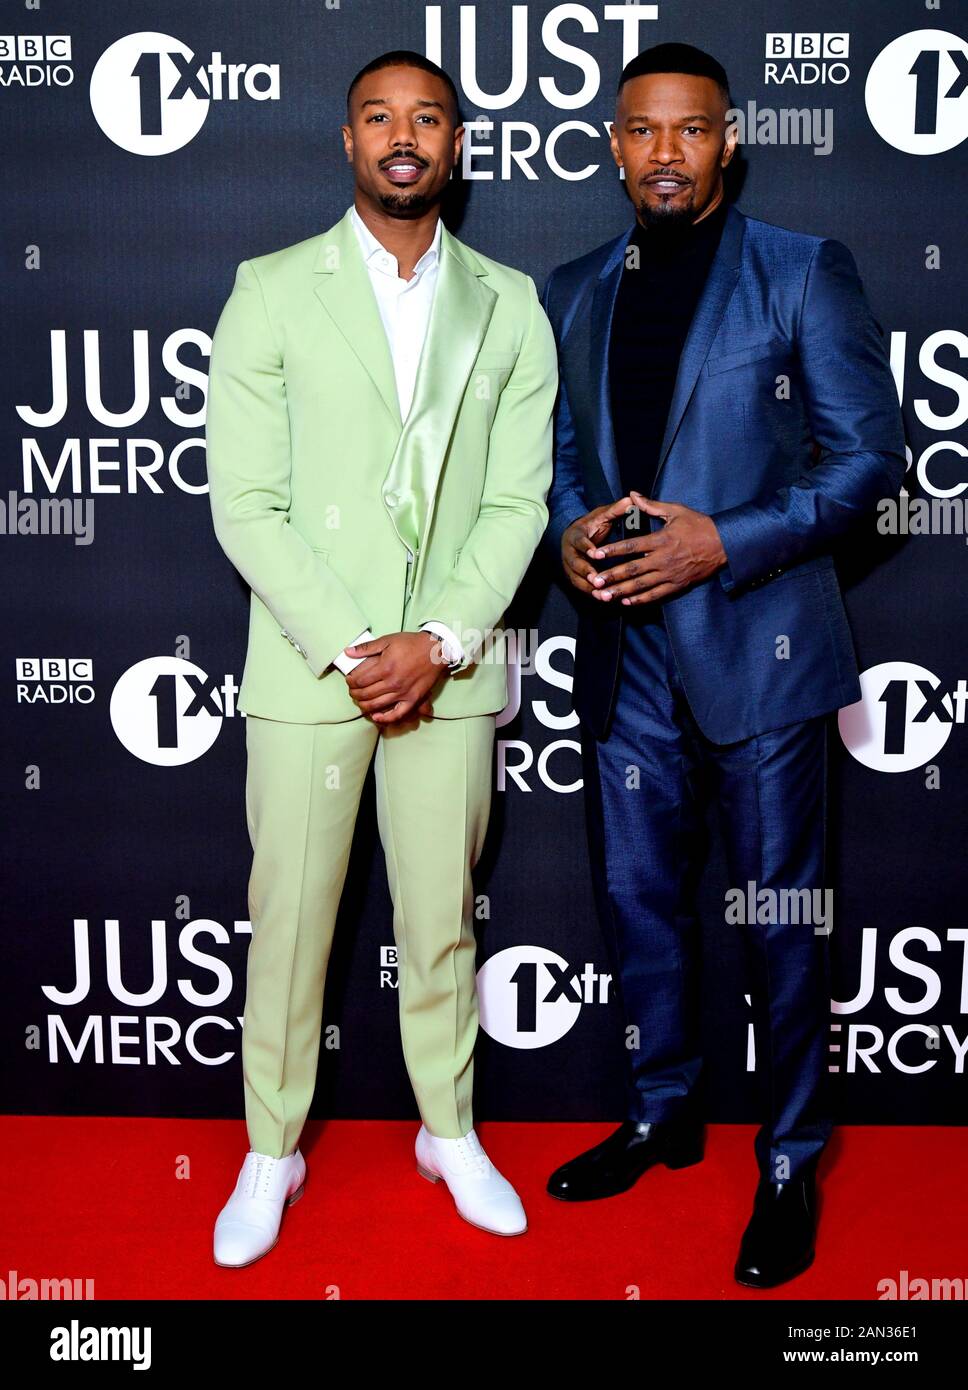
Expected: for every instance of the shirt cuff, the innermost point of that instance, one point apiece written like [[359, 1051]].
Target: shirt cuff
[[452, 650], [345, 663]]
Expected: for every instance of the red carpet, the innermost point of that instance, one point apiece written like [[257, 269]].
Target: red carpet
[[130, 1203]]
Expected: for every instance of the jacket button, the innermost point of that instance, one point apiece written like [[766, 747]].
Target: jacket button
[[391, 498]]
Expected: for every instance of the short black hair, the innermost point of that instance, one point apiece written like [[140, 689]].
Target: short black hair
[[677, 57], [406, 58]]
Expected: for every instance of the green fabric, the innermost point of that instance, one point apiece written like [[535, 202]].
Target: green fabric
[[319, 494], [303, 786]]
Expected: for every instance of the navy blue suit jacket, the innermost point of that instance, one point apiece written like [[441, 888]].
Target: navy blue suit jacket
[[782, 478]]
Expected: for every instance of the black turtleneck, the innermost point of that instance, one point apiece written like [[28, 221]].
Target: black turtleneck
[[653, 311]]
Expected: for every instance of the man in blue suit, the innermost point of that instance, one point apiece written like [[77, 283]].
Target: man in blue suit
[[727, 407]]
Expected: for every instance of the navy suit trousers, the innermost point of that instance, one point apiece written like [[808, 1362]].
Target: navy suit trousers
[[646, 786]]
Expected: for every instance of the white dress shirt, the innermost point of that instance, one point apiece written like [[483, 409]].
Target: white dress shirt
[[404, 307]]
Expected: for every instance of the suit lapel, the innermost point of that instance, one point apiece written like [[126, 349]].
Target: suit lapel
[[719, 286], [462, 309], [343, 288], [603, 307], [720, 283]]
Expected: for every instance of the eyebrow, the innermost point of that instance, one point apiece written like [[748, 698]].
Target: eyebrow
[[699, 116], [385, 101]]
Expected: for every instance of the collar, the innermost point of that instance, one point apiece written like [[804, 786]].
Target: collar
[[378, 257]]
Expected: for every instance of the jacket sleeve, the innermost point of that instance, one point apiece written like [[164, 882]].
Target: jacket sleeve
[[249, 470], [566, 500], [855, 418], [513, 514]]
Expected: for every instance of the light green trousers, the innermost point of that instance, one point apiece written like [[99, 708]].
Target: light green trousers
[[302, 794]]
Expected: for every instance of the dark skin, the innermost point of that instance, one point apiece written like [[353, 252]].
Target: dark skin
[[671, 138], [403, 140]]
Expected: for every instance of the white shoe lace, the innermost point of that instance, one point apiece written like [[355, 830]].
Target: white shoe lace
[[475, 1155], [256, 1170], [467, 1157]]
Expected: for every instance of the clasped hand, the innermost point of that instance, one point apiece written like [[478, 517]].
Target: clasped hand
[[395, 680], [686, 550]]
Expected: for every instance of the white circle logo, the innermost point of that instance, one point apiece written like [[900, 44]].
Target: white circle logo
[[528, 996], [148, 93], [917, 92], [166, 711], [901, 721]]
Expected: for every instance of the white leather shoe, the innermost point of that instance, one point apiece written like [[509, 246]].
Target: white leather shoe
[[248, 1225], [481, 1194]]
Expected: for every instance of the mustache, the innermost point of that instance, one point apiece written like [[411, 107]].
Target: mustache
[[403, 159], [665, 174]]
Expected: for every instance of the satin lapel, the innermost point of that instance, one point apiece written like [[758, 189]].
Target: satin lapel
[[344, 290], [720, 283], [461, 312], [603, 307]]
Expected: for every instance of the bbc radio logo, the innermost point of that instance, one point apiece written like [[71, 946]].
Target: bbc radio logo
[[389, 968], [55, 680], [35, 60], [805, 59], [150, 93]]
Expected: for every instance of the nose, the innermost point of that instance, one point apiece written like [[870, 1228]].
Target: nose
[[665, 151], [402, 135]]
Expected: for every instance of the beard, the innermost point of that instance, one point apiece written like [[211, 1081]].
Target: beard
[[405, 204], [666, 218]]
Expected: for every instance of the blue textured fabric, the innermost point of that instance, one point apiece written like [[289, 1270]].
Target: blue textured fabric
[[784, 426], [645, 787]]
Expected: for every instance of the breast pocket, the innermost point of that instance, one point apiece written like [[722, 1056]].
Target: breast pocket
[[488, 378], [496, 359], [494, 366], [777, 349]]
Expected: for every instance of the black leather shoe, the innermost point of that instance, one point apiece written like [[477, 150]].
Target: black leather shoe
[[777, 1244], [620, 1160]]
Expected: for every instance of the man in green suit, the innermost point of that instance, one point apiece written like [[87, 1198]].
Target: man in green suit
[[379, 455]]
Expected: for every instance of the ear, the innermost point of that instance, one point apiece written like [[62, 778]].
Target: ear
[[458, 143], [347, 133], [613, 144], [732, 139]]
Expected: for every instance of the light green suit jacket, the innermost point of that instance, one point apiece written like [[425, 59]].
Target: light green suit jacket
[[339, 516]]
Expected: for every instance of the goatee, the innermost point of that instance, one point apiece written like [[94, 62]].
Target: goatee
[[665, 219], [405, 204]]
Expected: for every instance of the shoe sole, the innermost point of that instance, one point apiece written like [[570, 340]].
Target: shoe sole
[[774, 1283], [435, 1177], [680, 1162], [686, 1161], [222, 1264]]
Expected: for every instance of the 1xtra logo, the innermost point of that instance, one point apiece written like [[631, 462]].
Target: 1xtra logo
[[903, 718], [167, 711], [917, 92], [530, 997], [150, 93]]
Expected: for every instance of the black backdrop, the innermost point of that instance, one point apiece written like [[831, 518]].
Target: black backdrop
[[126, 855]]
